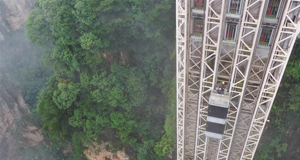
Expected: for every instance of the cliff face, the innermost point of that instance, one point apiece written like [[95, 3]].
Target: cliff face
[[13, 14], [15, 133], [101, 152]]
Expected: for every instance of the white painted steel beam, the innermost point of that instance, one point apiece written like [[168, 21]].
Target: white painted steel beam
[[247, 40], [202, 62], [181, 49], [214, 14], [247, 107], [289, 28], [194, 70]]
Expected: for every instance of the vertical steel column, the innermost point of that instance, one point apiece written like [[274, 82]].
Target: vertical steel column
[[181, 47], [247, 40], [194, 71], [247, 107], [288, 30], [227, 52], [211, 44]]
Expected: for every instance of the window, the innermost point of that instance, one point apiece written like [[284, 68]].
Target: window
[[198, 27], [199, 4], [230, 31], [234, 6], [273, 8], [265, 36]]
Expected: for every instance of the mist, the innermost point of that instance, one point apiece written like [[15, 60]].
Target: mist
[[88, 79], [22, 76]]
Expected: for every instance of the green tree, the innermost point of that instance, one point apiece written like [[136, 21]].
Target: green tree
[[109, 58], [65, 95]]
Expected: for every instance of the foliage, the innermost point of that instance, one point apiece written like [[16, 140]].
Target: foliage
[[281, 138], [42, 152], [22, 68], [65, 95], [22, 65], [274, 146], [111, 62]]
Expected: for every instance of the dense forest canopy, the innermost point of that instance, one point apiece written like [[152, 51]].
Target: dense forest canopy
[[113, 73]]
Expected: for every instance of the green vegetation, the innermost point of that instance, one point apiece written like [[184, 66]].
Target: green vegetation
[[280, 139], [21, 64], [198, 34], [110, 78], [229, 38], [113, 75], [22, 68], [270, 16], [233, 11], [263, 43], [200, 8]]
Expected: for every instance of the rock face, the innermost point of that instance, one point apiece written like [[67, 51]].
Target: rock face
[[14, 132], [101, 152], [13, 14]]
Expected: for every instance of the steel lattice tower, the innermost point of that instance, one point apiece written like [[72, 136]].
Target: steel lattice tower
[[244, 43]]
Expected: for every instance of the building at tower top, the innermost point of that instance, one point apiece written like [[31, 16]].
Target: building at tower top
[[231, 56]]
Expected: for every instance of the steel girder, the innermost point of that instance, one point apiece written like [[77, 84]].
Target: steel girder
[[249, 27], [289, 28], [211, 46], [247, 107], [194, 65], [181, 49], [226, 62]]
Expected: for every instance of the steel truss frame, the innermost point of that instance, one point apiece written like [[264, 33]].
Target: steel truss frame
[[250, 24], [194, 72], [288, 30], [226, 62], [213, 23], [181, 49], [247, 107]]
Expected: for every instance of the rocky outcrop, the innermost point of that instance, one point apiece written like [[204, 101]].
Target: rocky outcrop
[[10, 110], [15, 133], [13, 14], [101, 152], [18, 12]]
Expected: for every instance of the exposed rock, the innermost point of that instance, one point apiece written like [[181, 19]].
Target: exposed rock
[[15, 133], [18, 12], [101, 152], [13, 136], [33, 135], [8, 112], [13, 14]]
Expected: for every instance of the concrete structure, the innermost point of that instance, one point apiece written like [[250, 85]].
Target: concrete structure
[[245, 43]]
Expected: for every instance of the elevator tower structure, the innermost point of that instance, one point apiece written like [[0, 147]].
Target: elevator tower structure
[[244, 43]]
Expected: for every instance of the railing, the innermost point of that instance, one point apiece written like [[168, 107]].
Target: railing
[[200, 4], [265, 36], [272, 9], [230, 31], [198, 28], [234, 6]]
